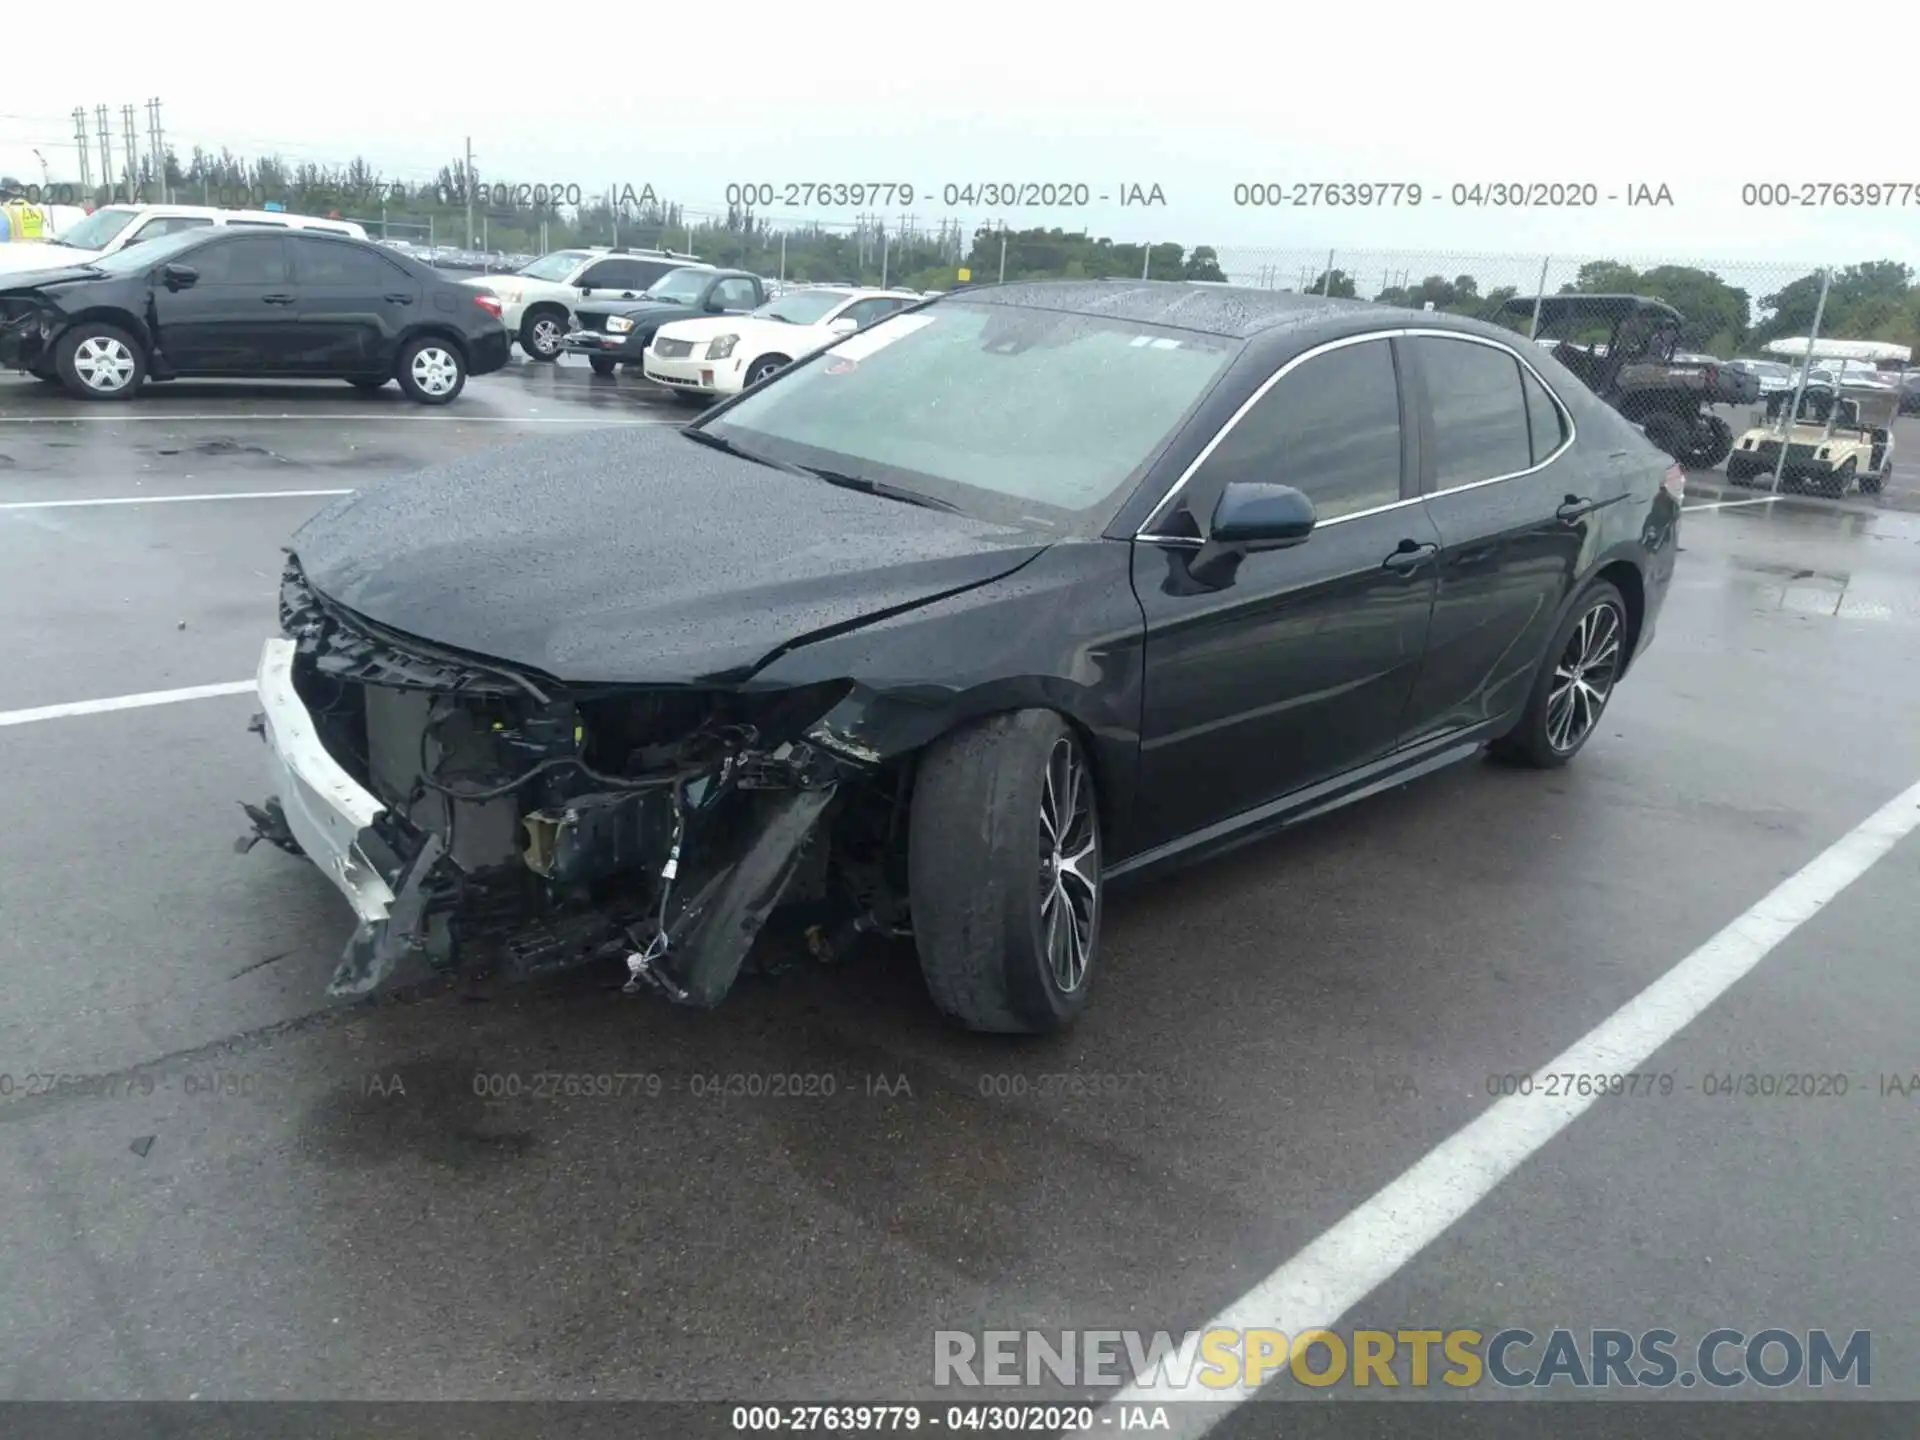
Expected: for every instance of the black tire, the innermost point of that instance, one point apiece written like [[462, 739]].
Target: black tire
[[1710, 442], [1836, 485], [601, 365], [1739, 472], [978, 863], [368, 383], [1532, 742], [91, 352], [542, 329], [427, 379], [763, 367], [1669, 433], [1872, 484]]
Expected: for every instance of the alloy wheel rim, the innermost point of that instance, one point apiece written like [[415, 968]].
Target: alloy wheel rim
[[1069, 866], [434, 371], [1583, 678], [103, 363], [546, 336]]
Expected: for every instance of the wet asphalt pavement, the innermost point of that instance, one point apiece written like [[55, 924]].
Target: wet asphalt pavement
[[285, 1197]]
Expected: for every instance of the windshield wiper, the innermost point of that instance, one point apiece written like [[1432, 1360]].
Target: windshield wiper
[[727, 447], [880, 488]]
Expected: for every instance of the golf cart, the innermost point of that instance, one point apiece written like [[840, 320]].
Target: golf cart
[[1842, 435], [1622, 348]]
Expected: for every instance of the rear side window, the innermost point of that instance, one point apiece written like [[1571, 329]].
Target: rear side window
[[1544, 418], [323, 262], [1330, 428], [1480, 428], [241, 260]]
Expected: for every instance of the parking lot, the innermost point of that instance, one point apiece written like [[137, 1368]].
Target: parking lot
[[282, 1197]]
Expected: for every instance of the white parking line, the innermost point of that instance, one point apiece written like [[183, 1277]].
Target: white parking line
[[123, 702], [1323, 1282], [165, 499], [331, 419], [1731, 504]]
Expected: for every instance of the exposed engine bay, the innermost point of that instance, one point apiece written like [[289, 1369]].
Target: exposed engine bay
[[529, 826]]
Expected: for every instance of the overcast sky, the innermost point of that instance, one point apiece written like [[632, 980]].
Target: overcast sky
[[1193, 100]]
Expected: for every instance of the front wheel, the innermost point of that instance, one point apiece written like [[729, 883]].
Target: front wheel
[[1004, 873], [601, 365], [1709, 441], [541, 334], [763, 368], [431, 371], [100, 362], [1836, 485], [1575, 682]]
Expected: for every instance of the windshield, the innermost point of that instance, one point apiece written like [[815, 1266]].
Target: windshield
[[679, 285], [145, 254], [557, 266], [803, 307], [1006, 413], [96, 232]]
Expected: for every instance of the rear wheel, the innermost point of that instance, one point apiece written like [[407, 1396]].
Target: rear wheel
[[1740, 471], [1575, 682], [1670, 433], [542, 331], [1709, 441], [602, 365], [1004, 873], [97, 361], [432, 371]]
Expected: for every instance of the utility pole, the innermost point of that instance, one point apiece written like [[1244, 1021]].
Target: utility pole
[[1003, 255], [468, 243], [157, 148], [105, 131], [80, 141], [1146, 262], [133, 153]]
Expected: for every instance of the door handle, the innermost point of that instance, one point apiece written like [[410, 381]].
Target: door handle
[[399, 297], [1409, 557], [277, 299]]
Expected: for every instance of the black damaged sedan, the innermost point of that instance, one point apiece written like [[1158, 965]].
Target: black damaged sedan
[[1021, 593]]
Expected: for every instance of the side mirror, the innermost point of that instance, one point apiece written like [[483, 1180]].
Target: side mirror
[[845, 325], [585, 290], [179, 277], [1249, 517], [716, 307]]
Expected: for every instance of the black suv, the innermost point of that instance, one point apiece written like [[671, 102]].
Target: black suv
[[254, 304], [617, 332]]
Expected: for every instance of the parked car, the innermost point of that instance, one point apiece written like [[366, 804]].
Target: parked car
[[112, 228], [948, 627], [536, 300], [615, 332], [716, 356], [1842, 436], [216, 302], [1773, 376]]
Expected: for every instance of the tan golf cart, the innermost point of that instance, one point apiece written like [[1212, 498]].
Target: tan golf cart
[[1843, 436]]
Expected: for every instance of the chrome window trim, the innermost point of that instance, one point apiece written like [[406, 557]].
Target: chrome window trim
[[1146, 532]]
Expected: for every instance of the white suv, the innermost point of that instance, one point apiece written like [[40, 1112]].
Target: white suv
[[537, 300], [113, 228]]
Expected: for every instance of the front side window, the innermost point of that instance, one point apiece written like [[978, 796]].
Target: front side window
[[1480, 428], [1330, 428], [1033, 417], [169, 225], [736, 294]]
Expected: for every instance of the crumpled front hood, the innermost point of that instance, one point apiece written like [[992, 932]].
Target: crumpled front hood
[[633, 555], [26, 255], [54, 273]]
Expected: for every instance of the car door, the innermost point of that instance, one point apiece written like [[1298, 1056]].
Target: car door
[[354, 306], [616, 279], [239, 317], [1498, 480], [1299, 666]]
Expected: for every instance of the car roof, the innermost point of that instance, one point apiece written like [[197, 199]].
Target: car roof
[[276, 217], [1233, 310], [1608, 306]]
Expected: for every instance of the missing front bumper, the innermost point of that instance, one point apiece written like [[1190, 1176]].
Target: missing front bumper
[[696, 867]]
